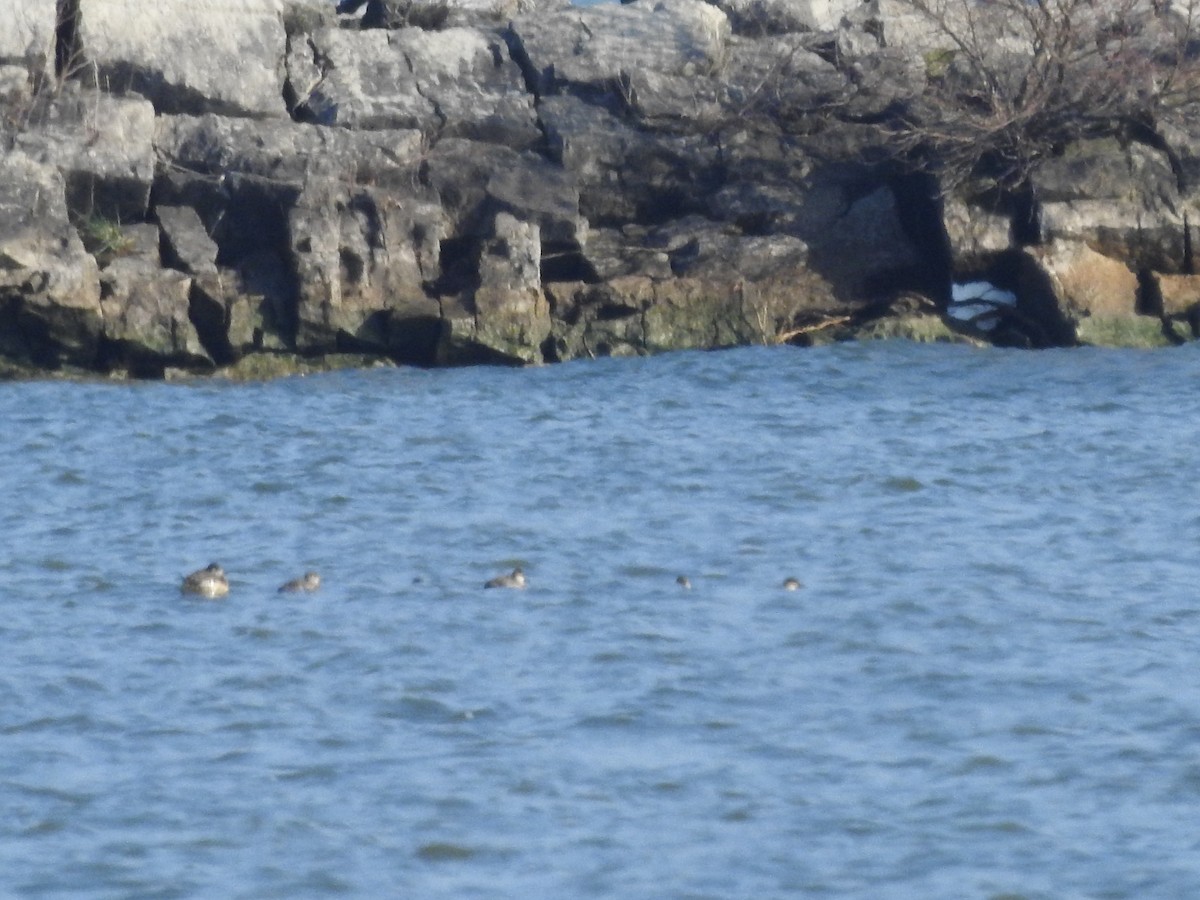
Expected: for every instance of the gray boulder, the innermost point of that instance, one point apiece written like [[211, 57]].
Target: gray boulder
[[284, 152], [246, 309], [16, 98], [27, 37], [475, 86], [438, 14], [624, 172], [236, 69], [457, 82], [616, 253], [856, 240], [636, 315], [476, 181], [590, 47], [329, 236], [229, 319], [243, 177], [1122, 200], [186, 244], [900, 25], [511, 316], [700, 284], [303, 17], [763, 17], [103, 145], [49, 284], [362, 258], [849, 223], [1179, 297], [147, 323], [781, 79], [357, 79], [758, 82]]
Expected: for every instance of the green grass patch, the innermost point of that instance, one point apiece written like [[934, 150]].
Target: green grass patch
[[104, 238]]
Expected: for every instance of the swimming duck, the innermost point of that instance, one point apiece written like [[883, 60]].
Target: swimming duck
[[515, 579], [684, 582], [309, 583], [792, 584], [207, 582]]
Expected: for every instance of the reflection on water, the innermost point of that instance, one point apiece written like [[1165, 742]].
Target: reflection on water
[[982, 688]]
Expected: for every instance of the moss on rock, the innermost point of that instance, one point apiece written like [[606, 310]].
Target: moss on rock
[[265, 366], [921, 328], [1122, 331]]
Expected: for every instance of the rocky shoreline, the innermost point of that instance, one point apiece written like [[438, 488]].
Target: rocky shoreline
[[258, 187]]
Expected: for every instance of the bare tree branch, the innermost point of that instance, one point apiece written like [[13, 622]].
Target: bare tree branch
[[1009, 82]]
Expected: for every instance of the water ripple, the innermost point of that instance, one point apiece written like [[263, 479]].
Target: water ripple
[[983, 680]]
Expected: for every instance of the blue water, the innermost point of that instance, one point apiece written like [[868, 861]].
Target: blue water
[[987, 687]]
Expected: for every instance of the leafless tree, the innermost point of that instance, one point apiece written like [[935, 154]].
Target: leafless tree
[[1008, 82]]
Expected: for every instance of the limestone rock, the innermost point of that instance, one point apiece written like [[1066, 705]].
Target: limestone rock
[[781, 78], [512, 317], [590, 47], [457, 82], [678, 101], [1088, 282], [187, 246], [585, 181], [613, 253], [476, 181], [591, 320], [761, 175], [854, 237], [362, 257], [247, 309], [438, 14], [762, 17], [626, 173], [303, 17], [976, 230], [993, 33], [27, 36], [103, 145], [283, 152], [474, 85], [910, 317], [1065, 282], [146, 310], [1121, 200], [49, 284], [1184, 140], [151, 48], [243, 178], [16, 98], [701, 313], [715, 289], [265, 366], [640, 315], [897, 24], [360, 81], [736, 288], [1180, 294], [331, 233]]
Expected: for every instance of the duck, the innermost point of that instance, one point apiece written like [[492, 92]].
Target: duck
[[515, 579], [792, 584], [306, 584], [684, 582], [208, 582]]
